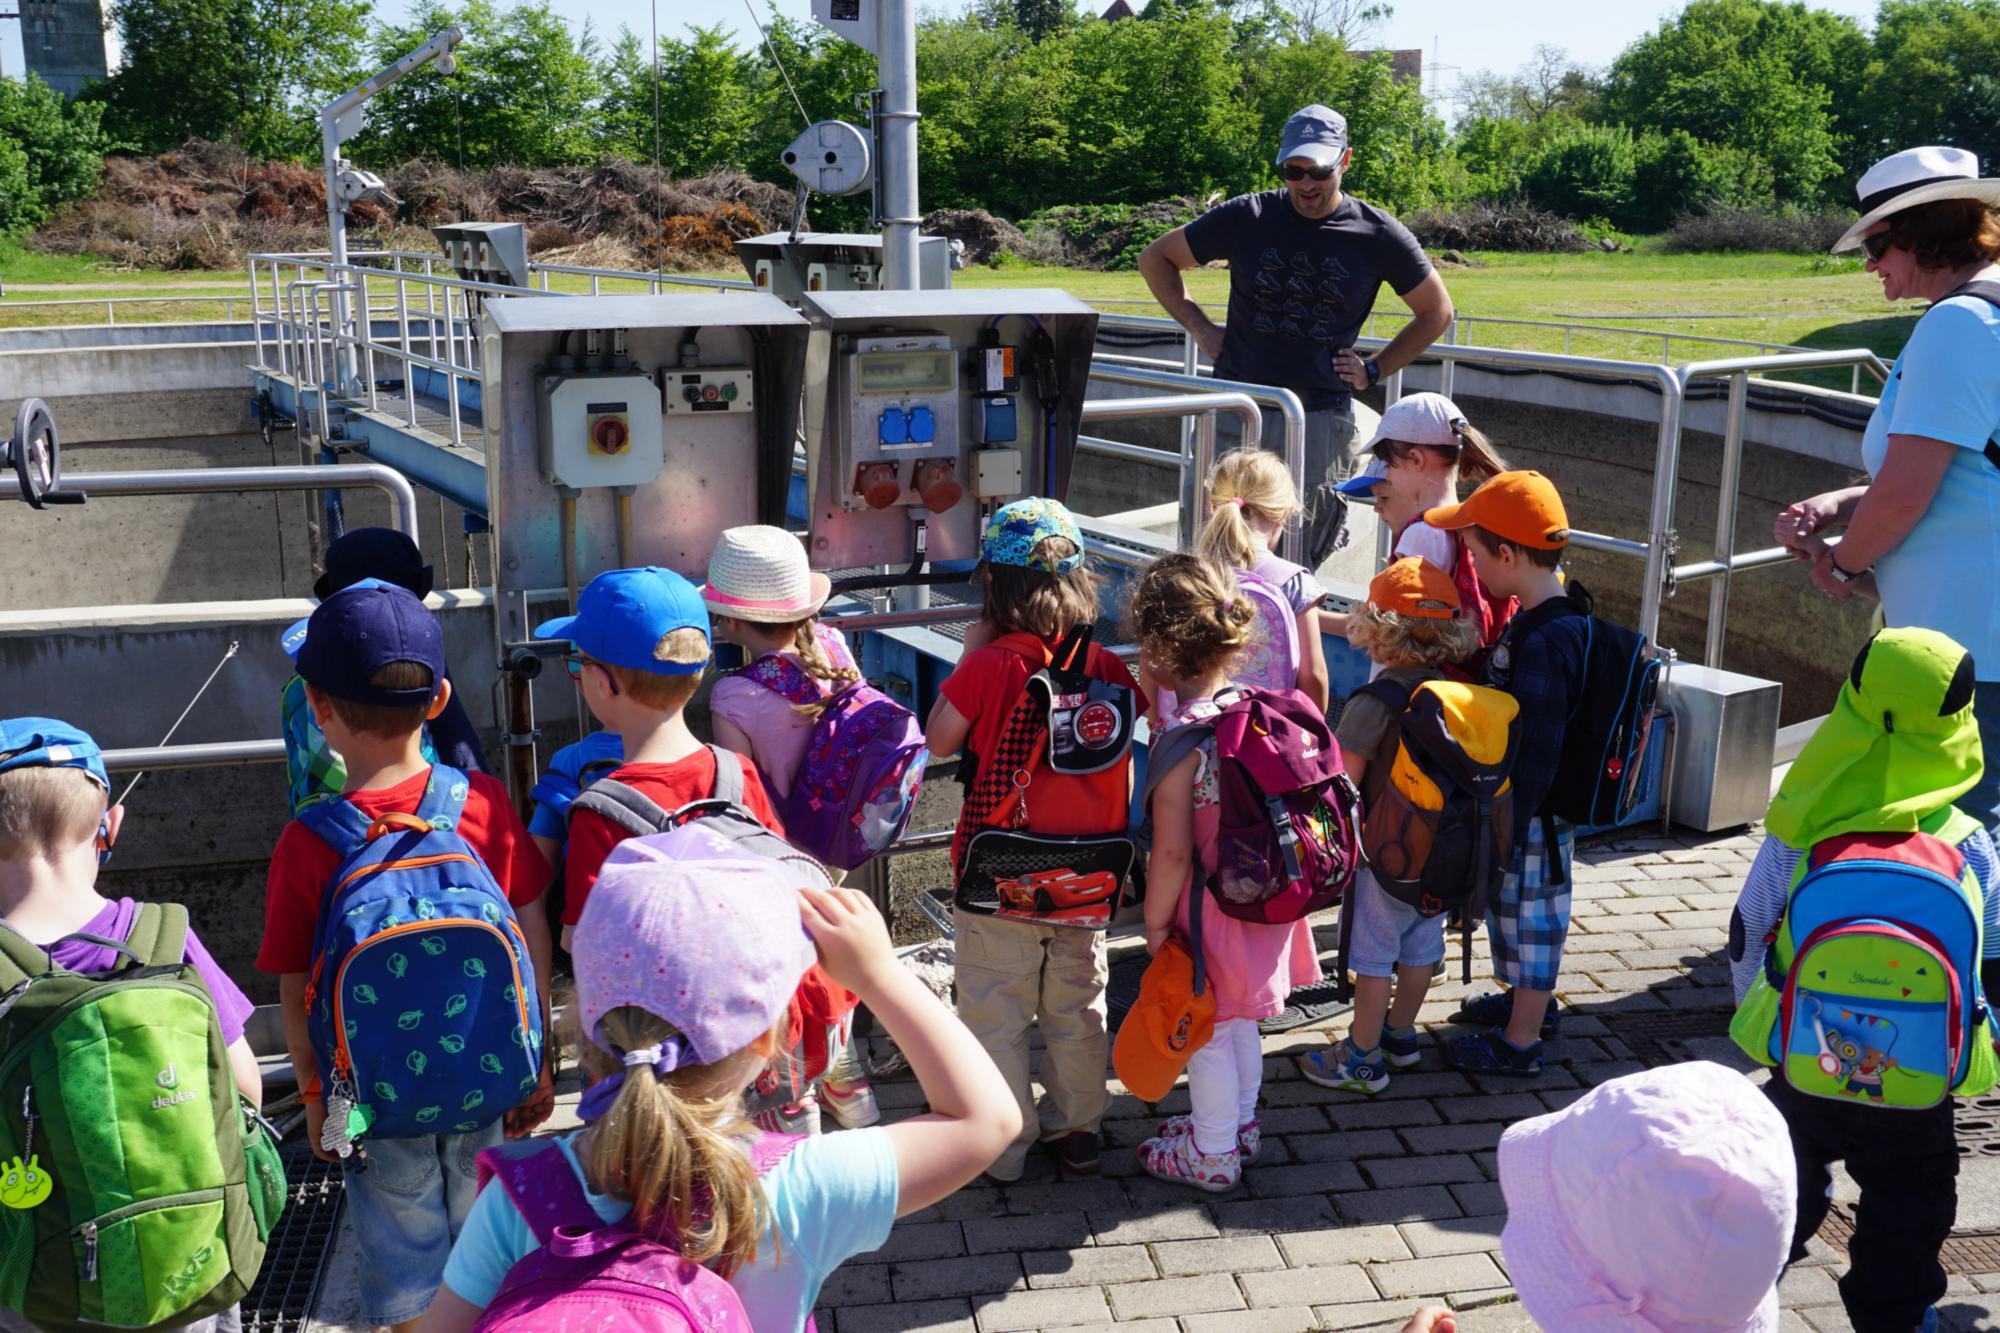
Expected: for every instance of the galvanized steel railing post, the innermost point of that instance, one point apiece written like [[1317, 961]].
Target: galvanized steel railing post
[[1662, 544], [1725, 515], [1445, 366]]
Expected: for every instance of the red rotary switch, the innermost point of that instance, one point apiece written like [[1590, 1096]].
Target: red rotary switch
[[610, 435]]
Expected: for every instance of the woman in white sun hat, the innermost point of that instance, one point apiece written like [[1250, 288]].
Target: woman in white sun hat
[[1924, 533]]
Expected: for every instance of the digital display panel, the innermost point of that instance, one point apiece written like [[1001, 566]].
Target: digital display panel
[[904, 372]]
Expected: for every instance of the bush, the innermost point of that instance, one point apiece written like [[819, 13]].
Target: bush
[[1679, 174], [1586, 171], [1485, 226], [1104, 236], [1724, 227], [986, 237], [53, 151]]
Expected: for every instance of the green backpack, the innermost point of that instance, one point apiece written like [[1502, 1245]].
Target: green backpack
[[137, 1188]]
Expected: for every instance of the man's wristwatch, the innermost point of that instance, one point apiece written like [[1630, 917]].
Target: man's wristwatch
[[1374, 369], [1833, 566]]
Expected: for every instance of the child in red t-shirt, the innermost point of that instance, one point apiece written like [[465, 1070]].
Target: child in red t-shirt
[[373, 665], [1012, 973], [639, 642]]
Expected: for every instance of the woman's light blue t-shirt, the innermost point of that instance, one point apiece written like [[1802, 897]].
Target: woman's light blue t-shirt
[[833, 1197], [1946, 386]]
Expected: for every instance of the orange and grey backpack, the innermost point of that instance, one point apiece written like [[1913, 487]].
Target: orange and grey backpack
[[1441, 823]]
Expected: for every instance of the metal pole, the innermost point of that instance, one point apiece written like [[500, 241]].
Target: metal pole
[[896, 57], [1666, 470], [208, 754], [229, 480], [1446, 366], [1725, 516]]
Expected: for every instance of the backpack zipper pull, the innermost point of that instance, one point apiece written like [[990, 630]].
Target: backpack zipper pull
[[90, 1251], [28, 1115]]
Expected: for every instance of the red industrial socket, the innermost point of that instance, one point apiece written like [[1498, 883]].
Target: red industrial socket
[[937, 482], [878, 484]]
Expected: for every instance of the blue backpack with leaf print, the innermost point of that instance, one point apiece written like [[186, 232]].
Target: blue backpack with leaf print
[[421, 1003]]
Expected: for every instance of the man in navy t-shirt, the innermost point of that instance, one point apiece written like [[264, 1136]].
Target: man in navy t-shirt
[[1305, 264]]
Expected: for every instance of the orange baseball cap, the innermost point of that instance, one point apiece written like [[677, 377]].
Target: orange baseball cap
[[1523, 507], [1413, 586]]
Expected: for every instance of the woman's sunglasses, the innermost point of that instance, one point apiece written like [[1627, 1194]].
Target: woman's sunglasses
[[1300, 173], [1878, 244]]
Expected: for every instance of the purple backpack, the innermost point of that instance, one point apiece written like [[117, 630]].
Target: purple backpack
[[1286, 837], [858, 782], [590, 1274]]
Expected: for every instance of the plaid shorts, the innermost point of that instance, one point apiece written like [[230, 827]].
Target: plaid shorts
[[1527, 919]]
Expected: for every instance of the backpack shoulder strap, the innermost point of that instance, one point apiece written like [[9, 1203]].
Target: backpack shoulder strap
[[624, 807], [783, 677], [1167, 753], [1073, 653], [728, 775], [159, 934], [20, 960], [1984, 288], [338, 824], [1554, 609], [1396, 696], [444, 797], [541, 1185]]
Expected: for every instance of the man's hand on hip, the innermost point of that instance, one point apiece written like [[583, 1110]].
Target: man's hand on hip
[[1349, 365], [1208, 335]]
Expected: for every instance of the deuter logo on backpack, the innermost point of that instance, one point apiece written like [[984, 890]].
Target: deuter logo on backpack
[[422, 1004], [1871, 992]]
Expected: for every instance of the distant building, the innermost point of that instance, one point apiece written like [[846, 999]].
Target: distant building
[[1119, 10], [1404, 66], [64, 42]]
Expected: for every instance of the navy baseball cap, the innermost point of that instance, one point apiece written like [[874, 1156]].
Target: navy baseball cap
[[45, 742], [294, 637], [373, 553], [624, 613], [358, 631], [1316, 132]]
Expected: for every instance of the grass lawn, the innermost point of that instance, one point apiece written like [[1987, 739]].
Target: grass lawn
[[1805, 300]]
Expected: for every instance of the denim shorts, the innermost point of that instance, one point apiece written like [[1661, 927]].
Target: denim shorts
[[406, 1207], [1388, 934]]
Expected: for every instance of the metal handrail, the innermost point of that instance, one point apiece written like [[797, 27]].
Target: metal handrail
[[229, 480]]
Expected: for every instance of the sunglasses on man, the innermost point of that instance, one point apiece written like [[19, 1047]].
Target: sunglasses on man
[[1878, 244], [1293, 173]]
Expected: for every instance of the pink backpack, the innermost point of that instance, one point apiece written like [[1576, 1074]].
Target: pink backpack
[[1271, 662], [590, 1274], [1287, 828]]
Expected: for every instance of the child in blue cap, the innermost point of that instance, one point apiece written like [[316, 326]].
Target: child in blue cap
[[373, 666], [56, 831]]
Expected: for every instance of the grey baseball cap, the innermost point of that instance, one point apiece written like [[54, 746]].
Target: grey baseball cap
[[1316, 132]]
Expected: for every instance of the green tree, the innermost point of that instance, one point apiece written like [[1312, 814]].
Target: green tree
[[1930, 79], [1586, 171], [1041, 19], [253, 71], [524, 94], [1677, 173], [708, 102], [1755, 75], [50, 151]]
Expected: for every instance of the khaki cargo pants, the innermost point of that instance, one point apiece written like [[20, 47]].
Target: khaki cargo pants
[[1009, 974]]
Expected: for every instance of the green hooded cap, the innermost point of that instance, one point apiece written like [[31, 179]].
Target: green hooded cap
[[1900, 744]]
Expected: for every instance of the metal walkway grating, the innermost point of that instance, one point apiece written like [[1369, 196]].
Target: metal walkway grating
[[433, 414], [282, 1300]]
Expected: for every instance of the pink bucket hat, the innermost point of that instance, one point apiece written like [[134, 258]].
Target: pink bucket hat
[[697, 930], [1660, 1201], [760, 573]]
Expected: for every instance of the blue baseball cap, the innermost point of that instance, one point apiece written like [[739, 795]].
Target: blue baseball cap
[[1364, 481], [294, 637], [624, 613], [1317, 133], [358, 631], [45, 742], [1018, 529]]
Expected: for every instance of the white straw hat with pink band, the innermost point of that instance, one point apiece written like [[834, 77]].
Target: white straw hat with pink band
[[759, 573]]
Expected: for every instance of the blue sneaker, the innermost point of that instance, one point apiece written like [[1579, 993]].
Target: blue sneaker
[[1495, 1009], [1488, 1052], [1345, 1069], [1930, 1324], [1400, 1049]]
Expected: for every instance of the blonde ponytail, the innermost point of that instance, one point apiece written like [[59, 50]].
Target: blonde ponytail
[[675, 1148], [817, 665], [1244, 484]]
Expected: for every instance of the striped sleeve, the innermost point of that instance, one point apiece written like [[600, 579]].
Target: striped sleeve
[[1759, 907], [1980, 855]]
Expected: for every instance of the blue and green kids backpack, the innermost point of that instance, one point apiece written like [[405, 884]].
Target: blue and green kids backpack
[[422, 1004], [1870, 990]]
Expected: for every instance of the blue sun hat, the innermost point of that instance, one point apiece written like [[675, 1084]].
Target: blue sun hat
[[1015, 532]]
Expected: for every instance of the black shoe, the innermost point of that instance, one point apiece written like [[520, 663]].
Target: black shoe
[[1078, 1154], [1496, 1009]]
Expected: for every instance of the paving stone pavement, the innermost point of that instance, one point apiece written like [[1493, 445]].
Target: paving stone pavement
[[1357, 1209]]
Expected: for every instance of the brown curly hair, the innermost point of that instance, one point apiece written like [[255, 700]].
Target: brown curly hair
[[1396, 640], [1948, 233], [1033, 601], [1188, 615]]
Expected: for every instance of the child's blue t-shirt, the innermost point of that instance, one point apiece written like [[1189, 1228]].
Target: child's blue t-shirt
[[562, 781], [831, 1198], [1946, 386]]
